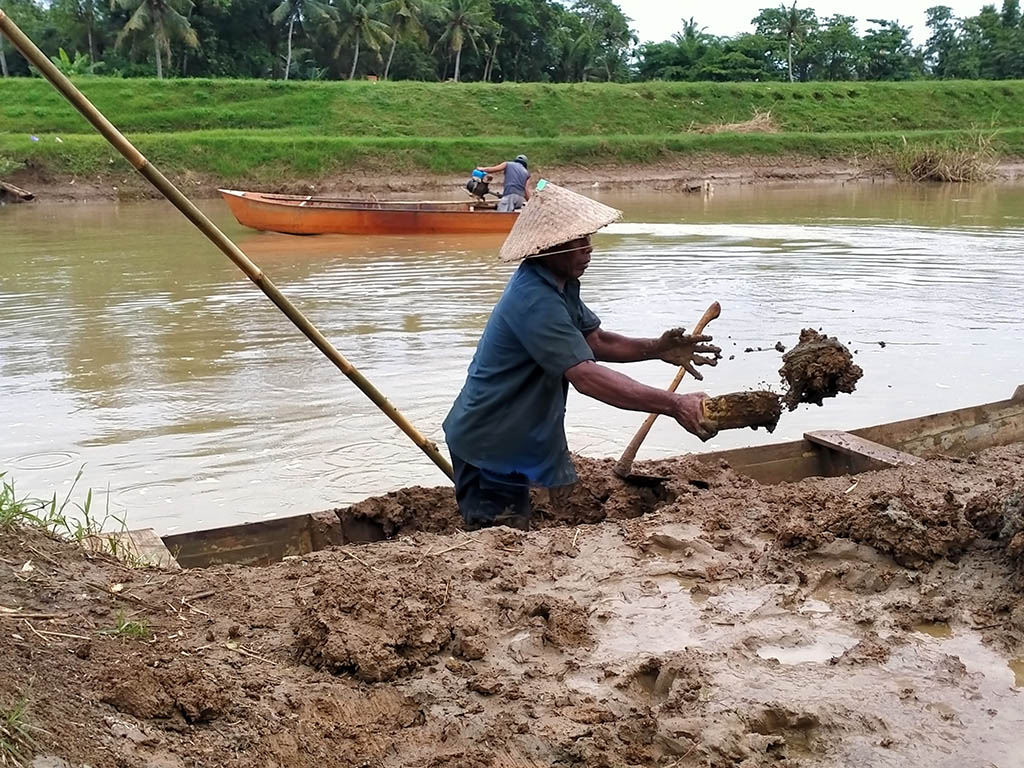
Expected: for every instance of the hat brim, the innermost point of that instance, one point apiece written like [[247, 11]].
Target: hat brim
[[553, 216]]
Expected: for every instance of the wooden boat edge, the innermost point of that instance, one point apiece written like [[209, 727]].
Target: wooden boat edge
[[289, 214], [957, 432]]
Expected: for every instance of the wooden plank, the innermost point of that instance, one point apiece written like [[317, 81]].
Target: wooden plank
[[852, 445], [141, 547], [958, 432], [775, 463], [257, 543]]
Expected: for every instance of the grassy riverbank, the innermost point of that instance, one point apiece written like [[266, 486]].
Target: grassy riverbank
[[271, 132]]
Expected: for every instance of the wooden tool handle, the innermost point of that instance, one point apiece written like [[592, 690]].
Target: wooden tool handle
[[625, 462]]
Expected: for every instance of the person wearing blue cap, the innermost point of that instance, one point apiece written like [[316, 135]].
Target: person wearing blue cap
[[516, 189]]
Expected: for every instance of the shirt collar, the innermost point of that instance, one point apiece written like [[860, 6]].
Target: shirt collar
[[546, 275]]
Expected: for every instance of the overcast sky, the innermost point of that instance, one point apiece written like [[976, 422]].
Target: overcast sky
[[659, 19]]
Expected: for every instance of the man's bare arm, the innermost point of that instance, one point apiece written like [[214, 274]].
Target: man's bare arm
[[492, 168], [672, 346], [621, 391], [611, 347]]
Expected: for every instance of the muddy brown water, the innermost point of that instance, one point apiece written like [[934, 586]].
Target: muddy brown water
[[129, 347]]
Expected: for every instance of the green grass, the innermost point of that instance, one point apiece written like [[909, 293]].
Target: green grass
[[18, 512], [527, 110], [268, 132], [247, 157], [68, 521], [128, 629], [16, 742]]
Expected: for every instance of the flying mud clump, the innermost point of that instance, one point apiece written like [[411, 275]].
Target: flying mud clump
[[816, 368]]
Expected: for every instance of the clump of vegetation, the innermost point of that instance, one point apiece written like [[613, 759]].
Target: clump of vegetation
[[15, 512], [972, 159], [81, 64], [129, 629], [16, 741], [7, 165], [761, 122], [69, 521]]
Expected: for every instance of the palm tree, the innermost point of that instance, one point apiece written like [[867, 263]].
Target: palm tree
[[301, 11], [163, 20], [464, 21], [691, 35], [492, 39], [794, 26], [360, 24], [407, 17], [616, 47], [578, 54]]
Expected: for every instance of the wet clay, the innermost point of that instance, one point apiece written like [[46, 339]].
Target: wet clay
[[744, 409], [816, 368], [599, 495], [724, 623]]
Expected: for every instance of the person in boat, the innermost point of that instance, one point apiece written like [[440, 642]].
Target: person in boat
[[516, 188], [505, 431]]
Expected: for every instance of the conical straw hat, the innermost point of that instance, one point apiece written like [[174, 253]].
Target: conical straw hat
[[554, 216]]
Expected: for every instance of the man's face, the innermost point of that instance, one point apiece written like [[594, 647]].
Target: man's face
[[574, 262]]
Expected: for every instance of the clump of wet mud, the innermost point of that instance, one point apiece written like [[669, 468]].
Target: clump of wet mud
[[818, 367], [736, 410], [915, 531], [177, 691], [385, 629], [999, 516], [599, 495]]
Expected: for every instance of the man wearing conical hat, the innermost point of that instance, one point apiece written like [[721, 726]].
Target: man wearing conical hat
[[506, 429]]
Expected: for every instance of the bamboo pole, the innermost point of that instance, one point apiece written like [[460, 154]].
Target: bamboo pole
[[29, 50]]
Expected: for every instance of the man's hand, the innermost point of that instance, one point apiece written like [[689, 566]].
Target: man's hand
[[689, 412], [676, 347]]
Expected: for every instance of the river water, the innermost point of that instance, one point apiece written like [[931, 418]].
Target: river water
[[133, 350]]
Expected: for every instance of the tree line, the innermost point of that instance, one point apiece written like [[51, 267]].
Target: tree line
[[792, 43], [497, 40]]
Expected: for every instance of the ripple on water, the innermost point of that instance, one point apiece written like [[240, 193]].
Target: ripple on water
[[147, 492], [45, 460]]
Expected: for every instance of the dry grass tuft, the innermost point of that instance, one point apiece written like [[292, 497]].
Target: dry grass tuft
[[761, 122], [972, 160]]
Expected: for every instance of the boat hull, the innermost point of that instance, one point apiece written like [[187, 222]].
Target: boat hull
[[295, 215], [952, 433]]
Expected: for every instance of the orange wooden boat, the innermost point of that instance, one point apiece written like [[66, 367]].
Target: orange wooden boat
[[308, 215]]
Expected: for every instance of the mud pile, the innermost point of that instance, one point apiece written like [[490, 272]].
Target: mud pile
[[599, 495], [999, 516], [873, 620], [816, 368]]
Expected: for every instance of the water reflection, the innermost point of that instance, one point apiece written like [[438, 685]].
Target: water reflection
[[129, 344]]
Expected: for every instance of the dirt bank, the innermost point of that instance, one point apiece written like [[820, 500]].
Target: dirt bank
[[831, 622], [689, 176]]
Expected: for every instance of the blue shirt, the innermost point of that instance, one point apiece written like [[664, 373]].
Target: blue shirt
[[509, 417], [516, 177]]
